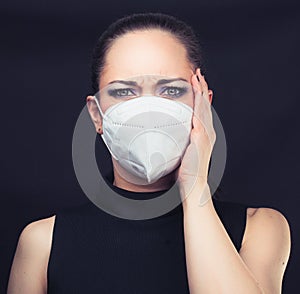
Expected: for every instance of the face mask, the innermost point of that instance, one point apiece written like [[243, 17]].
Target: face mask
[[147, 135]]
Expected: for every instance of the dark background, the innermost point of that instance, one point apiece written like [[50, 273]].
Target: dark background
[[251, 50]]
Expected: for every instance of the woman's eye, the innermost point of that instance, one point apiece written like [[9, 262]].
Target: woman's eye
[[126, 92], [173, 92]]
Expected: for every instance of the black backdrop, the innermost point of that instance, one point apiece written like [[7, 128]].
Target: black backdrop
[[251, 50]]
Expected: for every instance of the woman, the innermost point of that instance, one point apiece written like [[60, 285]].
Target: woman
[[203, 245]]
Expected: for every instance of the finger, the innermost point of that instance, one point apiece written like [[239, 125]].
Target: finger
[[202, 118], [196, 82], [203, 84], [197, 102], [197, 85], [204, 87], [202, 80], [203, 123], [201, 106]]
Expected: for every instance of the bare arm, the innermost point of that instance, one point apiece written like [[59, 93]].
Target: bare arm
[[215, 266], [29, 268], [267, 248], [213, 263]]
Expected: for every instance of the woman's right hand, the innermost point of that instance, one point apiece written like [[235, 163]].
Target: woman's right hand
[[195, 163]]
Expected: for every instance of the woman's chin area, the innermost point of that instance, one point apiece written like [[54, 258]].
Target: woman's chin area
[[126, 181]]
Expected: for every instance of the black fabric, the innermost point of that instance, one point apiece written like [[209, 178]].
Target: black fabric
[[96, 252]]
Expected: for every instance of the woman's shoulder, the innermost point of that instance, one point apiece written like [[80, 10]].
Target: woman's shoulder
[[252, 222], [38, 227], [262, 220], [249, 209], [31, 256], [267, 240], [38, 234], [36, 237]]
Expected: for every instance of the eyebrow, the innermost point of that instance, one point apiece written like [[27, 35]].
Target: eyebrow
[[166, 81], [159, 82]]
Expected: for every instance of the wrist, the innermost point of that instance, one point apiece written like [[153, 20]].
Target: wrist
[[198, 196]]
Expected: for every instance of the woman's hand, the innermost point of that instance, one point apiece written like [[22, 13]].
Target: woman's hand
[[193, 170]]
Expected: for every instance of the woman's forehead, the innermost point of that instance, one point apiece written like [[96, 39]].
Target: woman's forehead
[[146, 53]]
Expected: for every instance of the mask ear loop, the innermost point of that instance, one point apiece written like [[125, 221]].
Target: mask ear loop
[[96, 100]]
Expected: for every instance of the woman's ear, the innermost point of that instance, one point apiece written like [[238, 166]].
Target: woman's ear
[[210, 96], [94, 113]]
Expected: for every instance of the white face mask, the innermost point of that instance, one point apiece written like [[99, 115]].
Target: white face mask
[[147, 135]]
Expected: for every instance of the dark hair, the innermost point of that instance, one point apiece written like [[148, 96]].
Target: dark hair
[[140, 21]]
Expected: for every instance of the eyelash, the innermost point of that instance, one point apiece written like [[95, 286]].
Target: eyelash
[[117, 93], [180, 91]]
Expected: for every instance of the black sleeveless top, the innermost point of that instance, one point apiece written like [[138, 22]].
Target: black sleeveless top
[[95, 252]]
